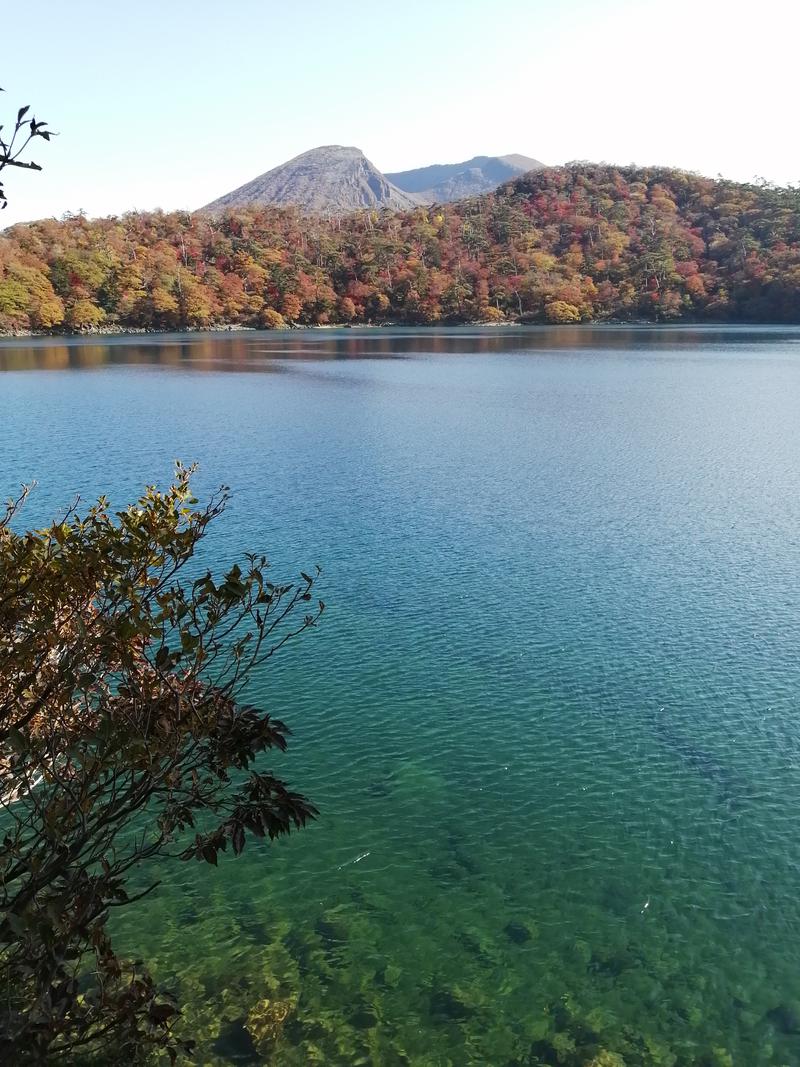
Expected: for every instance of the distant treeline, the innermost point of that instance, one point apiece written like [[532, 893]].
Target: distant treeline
[[573, 244]]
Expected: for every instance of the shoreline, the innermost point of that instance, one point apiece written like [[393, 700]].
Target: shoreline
[[144, 331]]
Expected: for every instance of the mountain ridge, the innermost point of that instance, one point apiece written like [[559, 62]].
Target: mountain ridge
[[338, 179], [445, 182]]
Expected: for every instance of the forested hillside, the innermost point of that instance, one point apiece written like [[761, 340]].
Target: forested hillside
[[570, 244]]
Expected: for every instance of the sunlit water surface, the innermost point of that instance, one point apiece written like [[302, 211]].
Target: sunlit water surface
[[552, 717]]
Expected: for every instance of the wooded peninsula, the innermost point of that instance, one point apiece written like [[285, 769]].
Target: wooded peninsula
[[581, 243]]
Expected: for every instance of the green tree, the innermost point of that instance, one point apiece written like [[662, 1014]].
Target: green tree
[[122, 738]]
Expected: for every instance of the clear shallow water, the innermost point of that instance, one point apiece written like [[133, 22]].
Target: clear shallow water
[[556, 696]]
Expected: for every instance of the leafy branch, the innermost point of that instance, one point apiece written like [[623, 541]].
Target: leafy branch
[[123, 737], [24, 131]]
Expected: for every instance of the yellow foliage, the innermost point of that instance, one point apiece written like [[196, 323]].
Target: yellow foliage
[[84, 313], [272, 319], [543, 261], [163, 301], [560, 311]]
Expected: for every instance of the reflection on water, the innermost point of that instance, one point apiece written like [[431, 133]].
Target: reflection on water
[[257, 350], [552, 717]]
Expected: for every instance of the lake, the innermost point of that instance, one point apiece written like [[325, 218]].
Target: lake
[[551, 717]]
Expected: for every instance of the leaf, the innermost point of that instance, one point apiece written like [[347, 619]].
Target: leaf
[[22, 112], [161, 1012], [238, 840]]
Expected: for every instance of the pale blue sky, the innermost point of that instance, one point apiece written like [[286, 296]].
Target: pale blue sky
[[173, 103]]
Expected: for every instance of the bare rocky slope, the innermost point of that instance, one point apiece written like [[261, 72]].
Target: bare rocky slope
[[334, 180], [331, 180]]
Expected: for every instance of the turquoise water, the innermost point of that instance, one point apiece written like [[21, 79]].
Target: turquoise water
[[552, 716]]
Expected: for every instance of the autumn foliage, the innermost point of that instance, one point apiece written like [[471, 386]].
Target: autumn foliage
[[123, 739], [564, 245]]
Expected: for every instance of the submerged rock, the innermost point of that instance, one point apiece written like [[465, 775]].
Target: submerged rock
[[785, 1018], [607, 1059], [445, 1007], [363, 1018], [299, 948], [331, 932], [542, 1052], [235, 1044], [518, 933], [378, 789], [265, 1023]]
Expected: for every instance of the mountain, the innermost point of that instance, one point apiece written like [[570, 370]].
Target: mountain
[[331, 180], [334, 180], [444, 182]]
